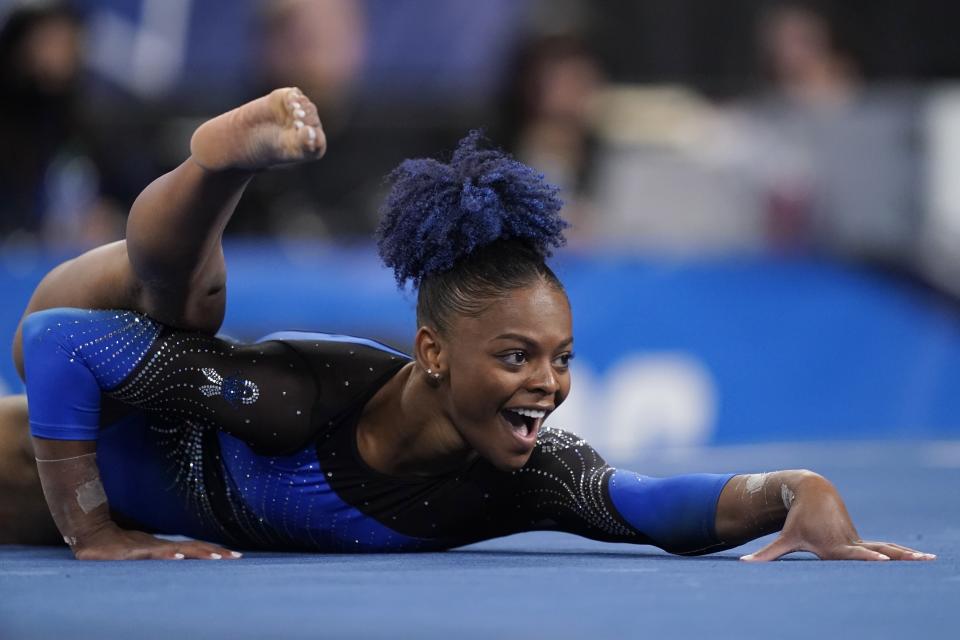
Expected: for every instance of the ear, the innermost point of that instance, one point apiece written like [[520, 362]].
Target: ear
[[429, 350]]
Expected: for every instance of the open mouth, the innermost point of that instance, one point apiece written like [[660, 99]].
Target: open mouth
[[524, 423]]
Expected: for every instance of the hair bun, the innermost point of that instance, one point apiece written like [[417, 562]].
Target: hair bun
[[437, 214]]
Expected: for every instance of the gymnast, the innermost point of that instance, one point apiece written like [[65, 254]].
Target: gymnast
[[143, 422]]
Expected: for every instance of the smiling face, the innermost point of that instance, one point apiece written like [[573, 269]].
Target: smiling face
[[506, 369]]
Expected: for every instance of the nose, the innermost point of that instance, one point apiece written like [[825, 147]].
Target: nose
[[543, 379]]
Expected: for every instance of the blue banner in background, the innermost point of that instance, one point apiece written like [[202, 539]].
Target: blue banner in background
[[668, 353]]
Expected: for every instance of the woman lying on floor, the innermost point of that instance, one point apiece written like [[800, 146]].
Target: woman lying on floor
[[142, 420]]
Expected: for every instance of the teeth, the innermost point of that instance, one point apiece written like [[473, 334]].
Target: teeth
[[529, 413]]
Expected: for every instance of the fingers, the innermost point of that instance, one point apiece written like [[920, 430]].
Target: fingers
[[855, 552], [925, 556], [779, 547], [201, 551], [873, 551], [866, 551], [897, 552], [164, 551]]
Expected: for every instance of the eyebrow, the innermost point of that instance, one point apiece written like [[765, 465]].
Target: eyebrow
[[527, 341]]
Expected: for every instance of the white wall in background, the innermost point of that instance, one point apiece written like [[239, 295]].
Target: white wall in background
[[645, 401]]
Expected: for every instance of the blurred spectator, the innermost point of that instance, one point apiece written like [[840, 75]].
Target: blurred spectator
[[319, 46], [836, 162], [546, 118], [49, 186], [803, 57], [324, 47], [817, 160], [669, 177]]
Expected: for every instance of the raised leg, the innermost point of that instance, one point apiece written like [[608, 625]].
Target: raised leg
[[175, 226], [171, 265]]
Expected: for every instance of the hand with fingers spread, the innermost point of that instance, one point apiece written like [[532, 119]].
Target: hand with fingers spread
[[70, 478], [113, 543], [809, 513]]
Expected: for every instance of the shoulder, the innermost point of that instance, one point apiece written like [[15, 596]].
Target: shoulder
[[84, 327], [551, 440], [559, 451], [332, 343], [348, 357], [346, 370]]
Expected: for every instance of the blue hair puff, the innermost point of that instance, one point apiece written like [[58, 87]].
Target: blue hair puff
[[437, 214]]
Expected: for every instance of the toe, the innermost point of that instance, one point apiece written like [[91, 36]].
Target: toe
[[311, 139], [310, 114]]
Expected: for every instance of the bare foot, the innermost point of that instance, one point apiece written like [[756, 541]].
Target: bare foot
[[277, 129]]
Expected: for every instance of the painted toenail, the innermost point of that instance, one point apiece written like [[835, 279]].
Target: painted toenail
[[298, 124], [311, 133], [295, 105], [300, 113]]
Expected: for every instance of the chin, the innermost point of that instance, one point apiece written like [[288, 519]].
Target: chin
[[511, 463]]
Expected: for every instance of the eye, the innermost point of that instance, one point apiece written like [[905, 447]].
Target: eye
[[563, 360], [514, 357]]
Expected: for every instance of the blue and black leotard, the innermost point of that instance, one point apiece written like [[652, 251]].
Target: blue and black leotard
[[254, 445]]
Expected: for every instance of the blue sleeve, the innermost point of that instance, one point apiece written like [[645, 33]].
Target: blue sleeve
[[69, 357], [677, 513], [568, 486]]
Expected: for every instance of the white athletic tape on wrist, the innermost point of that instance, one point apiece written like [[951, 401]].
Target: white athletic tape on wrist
[[755, 482], [86, 455], [787, 495], [91, 495], [75, 495]]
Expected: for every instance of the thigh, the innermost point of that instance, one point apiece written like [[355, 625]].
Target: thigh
[[24, 517], [104, 278], [98, 279]]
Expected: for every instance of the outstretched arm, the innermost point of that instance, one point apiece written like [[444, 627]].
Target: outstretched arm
[[171, 265], [567, 485], [807, 510]]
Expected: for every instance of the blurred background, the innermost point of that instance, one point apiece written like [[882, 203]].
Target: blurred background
[[766, 221]]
